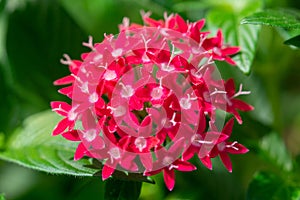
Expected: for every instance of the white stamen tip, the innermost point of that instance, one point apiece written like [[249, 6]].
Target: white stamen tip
[[110, 75], [157, 93], [166, 67], [140, 143], [114, 153], [118, 111], [117, 52], [93, 98], [127, 91], [90, 135]]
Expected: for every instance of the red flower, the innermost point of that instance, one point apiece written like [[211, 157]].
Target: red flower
[[222, 149], [66, 111], [219, 51], [142, 100], [171, 163], [228, 98]]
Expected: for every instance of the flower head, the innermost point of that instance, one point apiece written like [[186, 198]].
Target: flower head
[[142, 100]]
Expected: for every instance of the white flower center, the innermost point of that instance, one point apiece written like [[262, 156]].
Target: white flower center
[[127, 91], [185, 103], [217, 51], [114, 153], [72, 114], [110, 75], [90, 135], [98, 57], [93, 98], [167, 161], [117, 52], [118, 111], [166, 67], [140, 143], [157, 93], [145, 58], [84, 87]]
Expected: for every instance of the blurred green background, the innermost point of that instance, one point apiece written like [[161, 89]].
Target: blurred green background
[[34, 34]]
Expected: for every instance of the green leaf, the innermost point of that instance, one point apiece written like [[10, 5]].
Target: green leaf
[[2, 197], [129, 176], [97, 17], [295, 41], [283, 18], [2, 138], [116, 189], [33, 146], [37, 36], [191, 5], [2, 5], [274, 149], [227, 16], [266, 185]]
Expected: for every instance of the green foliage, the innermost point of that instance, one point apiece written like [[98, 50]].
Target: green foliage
[[92, 13], [275, 150], [116, 189], [2, 140], [2, 197], [286, 19], [33, 146], [295, 41], [228, 15], [283, 18], [267, 186]]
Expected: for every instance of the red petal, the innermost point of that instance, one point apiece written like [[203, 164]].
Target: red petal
[[238, 104], [67, 91], [182, 26], [202, 122], [61, 107], [151, 22], [236, 115], [71, 135], [169, 178], [151, 173], [206, 161], [228, 127], [65, 80], [199, 24], [230, 87], [230, 61], [80, 151], [226, 161], [190, 152], [61, 126], [147, 161], [107, 172], [74, 68], [219, 39], [184, 166], [128, 163], [230, 50], [216, 138], [241, 149]]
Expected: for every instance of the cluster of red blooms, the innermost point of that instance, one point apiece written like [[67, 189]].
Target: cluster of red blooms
[[145, 101]]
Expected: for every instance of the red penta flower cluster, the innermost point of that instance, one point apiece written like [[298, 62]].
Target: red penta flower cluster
[[147, 100]]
